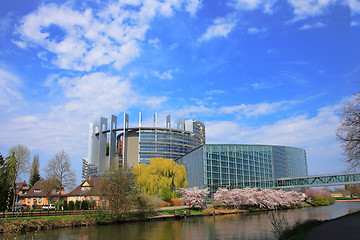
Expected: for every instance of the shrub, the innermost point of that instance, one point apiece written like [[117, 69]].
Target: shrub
[[176, 202], [85, 204], [320, 200], [164, 204], [71, 205], [64, 205], [77, 205]]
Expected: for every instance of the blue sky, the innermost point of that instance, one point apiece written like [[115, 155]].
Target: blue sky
[[254, 71]]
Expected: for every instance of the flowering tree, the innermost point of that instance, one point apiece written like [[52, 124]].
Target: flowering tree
[[266, 198], [194, 196], [320, 192]]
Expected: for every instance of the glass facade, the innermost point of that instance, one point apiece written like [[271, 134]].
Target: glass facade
[[167, 143], [238, 165]]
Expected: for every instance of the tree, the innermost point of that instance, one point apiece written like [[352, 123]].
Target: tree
[[34, 171], [5, 184], [160, 177], [18, 161], [349, 131], [196, 198], [59, 168], [354, 189]]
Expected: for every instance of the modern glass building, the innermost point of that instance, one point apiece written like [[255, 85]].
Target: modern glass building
[[113, 147], [241, 165]]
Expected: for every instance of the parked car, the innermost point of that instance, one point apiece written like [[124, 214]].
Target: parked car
[[48, 207], [19, 207]]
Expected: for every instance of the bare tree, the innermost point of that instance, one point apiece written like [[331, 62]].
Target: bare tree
[[59, 168], [349, 131], [18, 160]]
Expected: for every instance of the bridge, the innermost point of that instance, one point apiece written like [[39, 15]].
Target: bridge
[[318, 180]]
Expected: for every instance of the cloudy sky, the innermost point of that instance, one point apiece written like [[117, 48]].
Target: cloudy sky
[[254, 71]]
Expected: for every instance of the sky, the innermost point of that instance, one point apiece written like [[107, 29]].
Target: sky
[[253, 71]]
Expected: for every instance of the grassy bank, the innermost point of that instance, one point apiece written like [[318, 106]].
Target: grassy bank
[[17, 225]]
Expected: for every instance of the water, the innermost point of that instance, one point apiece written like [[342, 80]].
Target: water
[[237, 226]]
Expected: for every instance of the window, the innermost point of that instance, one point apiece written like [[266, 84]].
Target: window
[[39, 199], [37, 190], [28, 200]]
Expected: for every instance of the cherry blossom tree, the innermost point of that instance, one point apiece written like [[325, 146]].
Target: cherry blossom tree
[[194, 196]]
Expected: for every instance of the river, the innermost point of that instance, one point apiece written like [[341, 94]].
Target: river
[[236, 226]]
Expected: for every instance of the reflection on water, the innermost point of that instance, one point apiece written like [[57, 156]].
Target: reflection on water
[[239, 226]]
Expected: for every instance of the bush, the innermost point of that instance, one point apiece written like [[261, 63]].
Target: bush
[[322, 200], [85, 205], [64, 205], [164, 204], [77, 205], [176, 202], [166, 194], [71, 205]]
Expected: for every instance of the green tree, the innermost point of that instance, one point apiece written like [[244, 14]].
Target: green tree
[[349, 131], [5, 184], [71, 205], [59, 169], [18, 161], [34, 171], [160, 177]]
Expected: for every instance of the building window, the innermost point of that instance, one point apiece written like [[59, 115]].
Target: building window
[[37, 190], [28, 200], [40, 200]]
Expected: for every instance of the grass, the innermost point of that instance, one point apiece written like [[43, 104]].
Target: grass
[[172, 212]]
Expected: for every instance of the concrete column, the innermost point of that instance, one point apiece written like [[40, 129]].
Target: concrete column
[[112, 146], [103, 164]]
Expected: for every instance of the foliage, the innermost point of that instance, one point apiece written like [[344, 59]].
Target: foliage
[[320, 197], [176, 202], [6, 194], [320, 192], [354, 189], [18, 161], [196, 198], [34, 171], [85, 205], [160, 176], [279, 223], [349, 131], [322, 200], [118, 191], [71, 205], [166, 194], [64, 205], [265, 198], [77, 205], [59, 168]]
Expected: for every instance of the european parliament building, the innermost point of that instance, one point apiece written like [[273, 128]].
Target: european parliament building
[[207, 165]]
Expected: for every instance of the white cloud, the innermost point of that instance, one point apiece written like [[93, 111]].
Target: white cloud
[[164, 75], [354, 6], [312, 26], [65, 125], [155, 43], [254, 30], [257, 109], [303, 9], [248, 5], [215, 92], [221, 28], [9, 83], [192, 6], [85, 40]]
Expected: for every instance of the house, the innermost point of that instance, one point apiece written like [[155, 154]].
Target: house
[[43, 193], [21, 189], [89, 189]]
